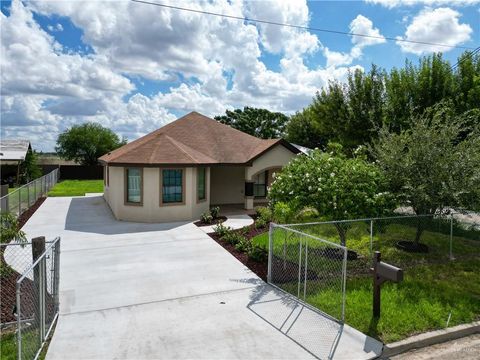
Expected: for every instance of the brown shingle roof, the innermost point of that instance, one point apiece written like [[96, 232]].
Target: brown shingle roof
[[193, 139]]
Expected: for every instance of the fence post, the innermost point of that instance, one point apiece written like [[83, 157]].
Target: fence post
[[56, 274], [451, 237], [19, 323], [371, 236], [299, 267], [39, 280], [270, 253], [19, 201], [306, 265]]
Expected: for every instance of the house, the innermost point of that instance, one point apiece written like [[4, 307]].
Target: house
[[182, 169], [12, 153]]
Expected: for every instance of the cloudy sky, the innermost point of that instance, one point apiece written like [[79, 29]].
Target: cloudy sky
[[135, 67]]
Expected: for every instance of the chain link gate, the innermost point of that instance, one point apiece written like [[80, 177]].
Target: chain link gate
[[311, 269]]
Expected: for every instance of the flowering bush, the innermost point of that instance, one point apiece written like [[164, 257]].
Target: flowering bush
[[337, 187]]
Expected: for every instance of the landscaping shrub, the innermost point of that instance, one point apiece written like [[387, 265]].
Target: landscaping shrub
[[283, 213], [215, 211], [256, 253], [206, 217], [243, 244], [233, 238], [222, 230], [264, 213], [260, 223]]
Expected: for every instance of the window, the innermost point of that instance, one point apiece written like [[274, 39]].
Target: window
[[134, 185], [260, 184], [201, 186], [172, 186]]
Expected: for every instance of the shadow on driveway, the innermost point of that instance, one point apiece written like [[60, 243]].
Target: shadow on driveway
[[92, 215]]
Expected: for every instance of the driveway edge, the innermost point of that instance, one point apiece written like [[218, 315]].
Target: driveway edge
[[430, 338]]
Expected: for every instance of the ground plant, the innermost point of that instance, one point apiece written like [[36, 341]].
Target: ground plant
[[76, 187]]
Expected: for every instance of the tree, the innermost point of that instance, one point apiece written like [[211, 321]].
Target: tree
[[301, 130], [433, 166], [261, 123], [9, 230], [29, 169], [336, 186], [87, 142]]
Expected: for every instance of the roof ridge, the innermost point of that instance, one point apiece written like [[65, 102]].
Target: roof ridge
[[179, 144]]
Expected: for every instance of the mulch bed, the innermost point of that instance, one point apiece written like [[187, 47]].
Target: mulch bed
[[259, 268], [218, 220], [28, 213]]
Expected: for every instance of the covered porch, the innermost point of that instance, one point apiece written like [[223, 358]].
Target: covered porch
[[238, 189]]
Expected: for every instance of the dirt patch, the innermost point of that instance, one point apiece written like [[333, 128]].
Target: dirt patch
[[28, 213], [218, 220]]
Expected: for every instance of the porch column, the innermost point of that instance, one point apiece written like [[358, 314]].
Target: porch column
[[248, 195]]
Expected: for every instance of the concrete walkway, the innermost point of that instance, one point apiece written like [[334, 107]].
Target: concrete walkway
[[165, 291], [233, 221]]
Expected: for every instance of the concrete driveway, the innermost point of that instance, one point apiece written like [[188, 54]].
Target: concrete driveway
[[162, 291]]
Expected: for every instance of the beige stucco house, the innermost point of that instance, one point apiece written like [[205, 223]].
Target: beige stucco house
[[182, 169]]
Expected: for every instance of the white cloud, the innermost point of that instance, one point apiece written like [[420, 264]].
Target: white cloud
[[54, 28], [360, 25], [44, 86], [397, 3], [441, 26]]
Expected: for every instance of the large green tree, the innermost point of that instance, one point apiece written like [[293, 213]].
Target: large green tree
[[351, 113], [261, 123], [87, 142], [336, 186], [435, 164], [301, 129]]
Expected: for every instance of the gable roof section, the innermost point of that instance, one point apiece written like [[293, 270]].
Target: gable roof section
[[194, 139], [14, 149]]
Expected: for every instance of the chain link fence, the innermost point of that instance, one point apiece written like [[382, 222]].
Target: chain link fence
[[20, 200], [37, 301], [440, 255], [29, 287], [310, 268]]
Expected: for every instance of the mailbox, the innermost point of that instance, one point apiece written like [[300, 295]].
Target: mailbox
[[382, 272]]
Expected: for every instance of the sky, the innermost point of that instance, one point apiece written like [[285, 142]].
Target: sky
[[135, 67]]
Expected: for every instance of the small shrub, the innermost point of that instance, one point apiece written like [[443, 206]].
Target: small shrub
[[282, 213], [233, 238], [260, 223], [264, 213], [221, 230], [215, 211], [308, 213], [243, 245], [206, 217], [257, 253]]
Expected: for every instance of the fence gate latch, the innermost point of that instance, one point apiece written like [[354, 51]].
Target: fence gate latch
[[381, 273]]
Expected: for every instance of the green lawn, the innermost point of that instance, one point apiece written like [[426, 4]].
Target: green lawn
[[8, 347], [433, 289], [76, 187]]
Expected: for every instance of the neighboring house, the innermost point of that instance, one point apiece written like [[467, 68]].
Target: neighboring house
[[178, 171], [12, 154]]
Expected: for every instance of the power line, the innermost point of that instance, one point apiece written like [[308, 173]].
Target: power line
[[298, 26], [468, 55]]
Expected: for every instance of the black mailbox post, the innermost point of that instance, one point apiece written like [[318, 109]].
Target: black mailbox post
[[381, 273]]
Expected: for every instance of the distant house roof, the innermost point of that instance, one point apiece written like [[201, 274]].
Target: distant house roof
[[193, 139], [14, 149]]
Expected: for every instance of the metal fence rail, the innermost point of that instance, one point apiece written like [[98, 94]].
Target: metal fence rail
[[302, 264], [20, 200], [37, 301]]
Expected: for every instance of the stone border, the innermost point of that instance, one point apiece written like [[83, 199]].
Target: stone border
[[430, 338]]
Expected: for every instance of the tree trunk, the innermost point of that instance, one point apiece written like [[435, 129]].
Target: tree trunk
[[342, 233]]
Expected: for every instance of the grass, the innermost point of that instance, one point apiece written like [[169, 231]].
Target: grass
[[76, 187], [433, 289], [8, 346]]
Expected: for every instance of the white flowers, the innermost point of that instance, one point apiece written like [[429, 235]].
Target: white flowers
[[332, 174]]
